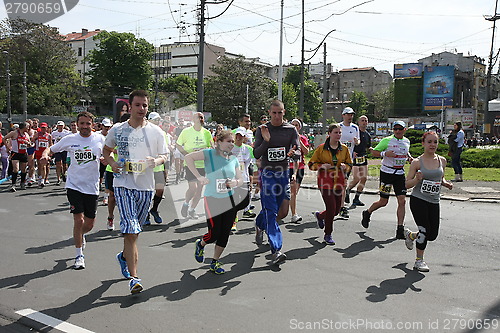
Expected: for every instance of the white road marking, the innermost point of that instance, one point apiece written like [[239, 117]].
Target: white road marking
[[51, 321]]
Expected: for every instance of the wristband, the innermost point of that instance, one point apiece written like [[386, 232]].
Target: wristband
[[382, 154]]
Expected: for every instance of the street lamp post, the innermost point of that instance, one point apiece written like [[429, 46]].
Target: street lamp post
[[7, 71]]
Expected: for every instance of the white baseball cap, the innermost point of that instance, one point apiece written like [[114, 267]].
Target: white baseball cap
[[348, 110], [241, 131], [154, 116], [60, 123], [106, 122], [400, 123]]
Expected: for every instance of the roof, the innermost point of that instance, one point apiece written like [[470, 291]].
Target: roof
[[84, 34], [357, 69]]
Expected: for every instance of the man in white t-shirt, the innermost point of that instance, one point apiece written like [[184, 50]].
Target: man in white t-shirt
[[350, 138], [82, 183], [140, 146]]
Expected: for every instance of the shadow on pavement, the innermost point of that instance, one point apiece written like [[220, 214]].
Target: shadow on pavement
[[395, 286], [305, 252], [364, 245], [19, 281]]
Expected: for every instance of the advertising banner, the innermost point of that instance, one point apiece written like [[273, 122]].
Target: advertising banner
[[466, 116], [402, 71], [438, 87]]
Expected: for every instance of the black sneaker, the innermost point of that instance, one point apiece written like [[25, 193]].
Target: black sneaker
[[344, 213], [249, 214], [356, 202], [400, 233], [365, 221], [347, 199]]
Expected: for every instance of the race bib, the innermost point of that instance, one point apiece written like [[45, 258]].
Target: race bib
[[276, 154], [43, 144], [136, 167], [348, 144], [385, 188], [23, 146], [430, 187], [360, 160], [221, 186], [399, 162], [84, 156]]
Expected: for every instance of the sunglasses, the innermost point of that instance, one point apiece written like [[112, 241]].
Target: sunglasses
[[398, 128]]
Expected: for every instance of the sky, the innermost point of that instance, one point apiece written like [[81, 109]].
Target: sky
[[359, 33]]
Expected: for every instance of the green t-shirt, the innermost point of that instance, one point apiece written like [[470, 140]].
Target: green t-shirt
[[192, 140]]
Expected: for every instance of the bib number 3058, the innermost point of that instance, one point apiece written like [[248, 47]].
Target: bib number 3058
[[276, 154]]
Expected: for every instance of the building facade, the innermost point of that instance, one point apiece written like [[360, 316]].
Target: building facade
[[82, 43]]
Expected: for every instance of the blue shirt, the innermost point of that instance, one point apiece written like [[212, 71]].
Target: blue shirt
[[214, 165], [460, 139]]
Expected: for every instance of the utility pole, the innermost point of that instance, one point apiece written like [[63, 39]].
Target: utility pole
[[7, 75], [25, 93], [301, 96], [201, 57], [325, 84], [280, 67], [487, 118]]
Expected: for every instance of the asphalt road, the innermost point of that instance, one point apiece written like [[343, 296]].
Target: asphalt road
[[365, 283]]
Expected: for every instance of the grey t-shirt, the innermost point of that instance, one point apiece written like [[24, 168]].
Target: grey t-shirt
[[274, 153]]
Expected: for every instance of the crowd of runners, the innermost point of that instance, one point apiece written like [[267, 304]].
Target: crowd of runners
[[227, 170]]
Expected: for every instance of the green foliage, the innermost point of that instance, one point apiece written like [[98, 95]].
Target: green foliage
[[226, 92], [52, 83], [359, 103], [293, 76], [313, 107], [119, 65], [183, 86], [415, 136], [384, 103], [481, 158], [416, 150], [290, 98]]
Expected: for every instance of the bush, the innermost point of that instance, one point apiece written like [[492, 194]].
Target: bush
[[481, 158]]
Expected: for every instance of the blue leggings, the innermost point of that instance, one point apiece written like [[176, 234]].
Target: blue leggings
[[275, 187]]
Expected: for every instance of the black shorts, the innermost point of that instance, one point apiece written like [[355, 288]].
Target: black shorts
[[30, 150], [108, 180], [23, 158], [360, 160], [389, 181], [299, 175], [61, 156], [102, 169], [189, 175], [159, 177], [82, 203]]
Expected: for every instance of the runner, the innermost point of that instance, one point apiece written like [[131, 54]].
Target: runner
[[350, 138], [222, 174], [394, 151], [43, 140], [105, 126], [426, 175], [191, 139], [82, 186], [273, 142], [140, 146], [360, 166], [34, 129], [19, 142], [60, 157]]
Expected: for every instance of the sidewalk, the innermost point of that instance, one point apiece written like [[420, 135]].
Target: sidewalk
[[462, 191]]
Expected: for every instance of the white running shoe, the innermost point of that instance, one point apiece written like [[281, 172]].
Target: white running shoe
[[278, 258], [296, 218], [408, 240], [79, 262], [420, 266]]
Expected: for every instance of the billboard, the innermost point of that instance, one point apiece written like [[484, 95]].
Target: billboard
[[466, 116], [402, 71], [438, 87]]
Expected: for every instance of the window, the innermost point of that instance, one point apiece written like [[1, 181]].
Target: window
[[80, 51]]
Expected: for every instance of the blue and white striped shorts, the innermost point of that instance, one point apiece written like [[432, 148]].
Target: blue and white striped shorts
[[133, 206]]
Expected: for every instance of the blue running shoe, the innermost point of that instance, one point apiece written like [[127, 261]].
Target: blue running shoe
[[156, 217], [199, 251], [215, 267], [329, 240], [123, 265], [321, 222], [135, 285]]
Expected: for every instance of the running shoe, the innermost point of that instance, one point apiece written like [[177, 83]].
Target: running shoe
[[344, 213], [259, 236], [256, 197], [234, 228], [12, 188], [29, 182], [296, 218], [192, 214], [41, 185], [251, 207], [63, 177], [408, 240], [156, 217], [249, 214], [46, 182], [420, 266], [105, 201], [135, 285], [329, 240], [400, 233], [320, 221], [58, 182], [199, 251], [357, 202], [23, 186], [215, 267], [365, 221], [184, 209], [79, 263], [110, 224], [123, 265], [278, 258], [347, 199]]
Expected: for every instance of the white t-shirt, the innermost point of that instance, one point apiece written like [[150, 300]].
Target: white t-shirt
[[244, 154], [57, 136], [134, 145], [348, 134], [84, 152]]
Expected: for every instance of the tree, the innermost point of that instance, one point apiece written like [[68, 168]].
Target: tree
[[290, 99], [384, 103], [312, 94], [183, 86], [359, 103], [226, 91], [119, 65], [53, 86]]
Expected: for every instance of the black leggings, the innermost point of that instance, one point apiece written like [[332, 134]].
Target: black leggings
[[219, 226], [426, 216]]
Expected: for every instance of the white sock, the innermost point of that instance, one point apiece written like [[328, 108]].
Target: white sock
[[79, 251]]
